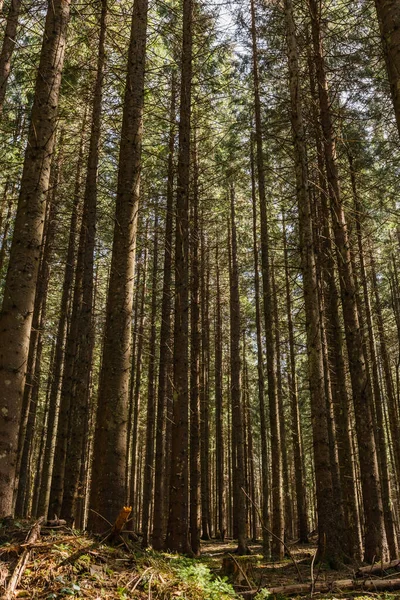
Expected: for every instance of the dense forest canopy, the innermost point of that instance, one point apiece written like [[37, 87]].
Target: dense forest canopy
[[199, 263]]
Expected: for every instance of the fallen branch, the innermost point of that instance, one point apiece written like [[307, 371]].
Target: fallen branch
[[23, 560], [378, 568], [240, 569], [341, 585], [273, 534]]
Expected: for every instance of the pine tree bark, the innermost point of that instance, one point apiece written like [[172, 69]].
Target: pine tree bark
[[68, 357], [374, 376], [278, 524], [375, 538], [151, 395], [108, 470], [205, 392], [238, 441], [20, 285], [177, 529], [31, 391], [52, 422], [135, 398], [260, 370], [160, 479], [219, 408], [83, 297], [195, 346], [335, 345], [8, 47], [329, 538], [298, 456], [388, 12]]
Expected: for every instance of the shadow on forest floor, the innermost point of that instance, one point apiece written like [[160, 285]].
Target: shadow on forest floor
[[65, 563]]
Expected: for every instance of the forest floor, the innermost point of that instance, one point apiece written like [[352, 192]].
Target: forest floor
[[64, 563]]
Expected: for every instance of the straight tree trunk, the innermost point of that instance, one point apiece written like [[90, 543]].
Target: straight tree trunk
[[238, 441], [7, 49], [205, 393], [27, 429], [21, 279], [83, 297], [376, 385], [282, 424], [109, 450], [68, 356], [151, 399], [135, 399], [52, 422], [298, 457], [335, 347], [385, 359], [260, 371], [278, 524], [375, 538], [178, 526], [388, 12], [219, 408], [195, 343], [329, 538], [160, 479]]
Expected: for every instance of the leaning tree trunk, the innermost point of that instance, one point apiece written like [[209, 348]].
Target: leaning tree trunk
[[109, 467], [20, 284], [177, 529]]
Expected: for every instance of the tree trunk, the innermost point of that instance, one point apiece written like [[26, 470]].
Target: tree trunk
[[52, 422], [219, 408], [329, 538], [375, 539], [195, 340], [20, 285], [278, 524], [376, 387], [177, 530], [135, 398], [388, 12], [238, 465], [301, 494], [151, 404], [7, 49], [260, 371], [160, 479], [83, 297], [108, 470], [205, 393]]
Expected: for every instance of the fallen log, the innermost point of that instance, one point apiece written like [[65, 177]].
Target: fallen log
[[20, 567], [378, 568], [341, 585]]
